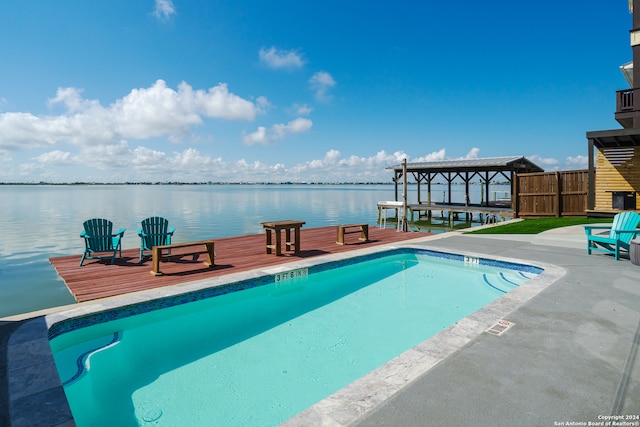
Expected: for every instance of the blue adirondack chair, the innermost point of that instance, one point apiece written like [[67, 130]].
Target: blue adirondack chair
[[155, 231], [621, 231], [99, 238]]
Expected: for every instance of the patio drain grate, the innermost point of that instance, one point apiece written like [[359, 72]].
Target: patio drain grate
[[500, 327]]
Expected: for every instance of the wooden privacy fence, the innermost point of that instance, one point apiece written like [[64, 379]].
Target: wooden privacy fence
[[551, 194]]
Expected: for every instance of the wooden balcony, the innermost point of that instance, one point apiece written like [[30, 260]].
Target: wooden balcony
[[625, 109]]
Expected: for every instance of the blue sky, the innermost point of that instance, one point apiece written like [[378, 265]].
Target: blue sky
[[177, 90]]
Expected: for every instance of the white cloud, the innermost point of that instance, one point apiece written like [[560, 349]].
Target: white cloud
[[71, 98], [191, 165], [431, 157], [119, 162], [262, 105], [220, 103], [148, 159], [55, 157], [277, 131], [276, 58], [441, 154], [351, 169], [163, 9], [300, 109], [543, 161], [320, 83], [114, 156], [29, 169], [577, 162], [18, 130], [257, 137], [160, 110], [295, 126], [472, 154], [143, 113]]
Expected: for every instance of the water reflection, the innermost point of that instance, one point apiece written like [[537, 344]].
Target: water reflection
[[39, 222]]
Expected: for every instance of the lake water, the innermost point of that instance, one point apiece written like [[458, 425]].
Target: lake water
[[38, 222]]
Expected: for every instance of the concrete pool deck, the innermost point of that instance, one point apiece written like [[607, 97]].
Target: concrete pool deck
[[569, 357]]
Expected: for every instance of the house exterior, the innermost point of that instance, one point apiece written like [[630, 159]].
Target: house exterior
[[614, 155]]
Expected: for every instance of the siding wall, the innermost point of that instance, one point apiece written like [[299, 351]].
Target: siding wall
[[616, 170]]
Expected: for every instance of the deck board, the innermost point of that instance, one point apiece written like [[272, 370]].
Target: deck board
[[99, 279]]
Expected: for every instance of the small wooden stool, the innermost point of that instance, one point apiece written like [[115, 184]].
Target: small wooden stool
[[343, 229]]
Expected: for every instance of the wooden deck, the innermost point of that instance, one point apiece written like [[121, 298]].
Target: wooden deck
[[99, 279]]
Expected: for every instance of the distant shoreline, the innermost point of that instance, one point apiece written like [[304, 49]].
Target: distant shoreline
[[232, 183], [195, 183], [229, 183]]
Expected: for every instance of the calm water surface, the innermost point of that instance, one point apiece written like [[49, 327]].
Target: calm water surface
[[39, 222]]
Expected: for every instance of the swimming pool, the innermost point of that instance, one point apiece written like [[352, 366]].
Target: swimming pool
[[261, 350]]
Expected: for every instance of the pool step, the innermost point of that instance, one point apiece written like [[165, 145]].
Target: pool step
[[82, 360], [504, 282]]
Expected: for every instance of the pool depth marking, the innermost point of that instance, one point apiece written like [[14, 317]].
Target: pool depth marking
[[291, 274], [471, 260]]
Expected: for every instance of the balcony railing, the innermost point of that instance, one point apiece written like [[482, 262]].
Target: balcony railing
[[624, 100]]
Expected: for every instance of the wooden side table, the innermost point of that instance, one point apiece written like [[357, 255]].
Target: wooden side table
[[276, 227]]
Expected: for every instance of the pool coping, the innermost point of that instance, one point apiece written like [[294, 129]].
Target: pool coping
[[29, 354]]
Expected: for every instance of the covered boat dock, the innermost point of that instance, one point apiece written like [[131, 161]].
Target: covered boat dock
[[457, 172]]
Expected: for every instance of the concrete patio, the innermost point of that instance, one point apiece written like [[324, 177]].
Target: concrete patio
[[570, 357]]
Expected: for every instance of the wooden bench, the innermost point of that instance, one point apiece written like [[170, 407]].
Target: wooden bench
[[158, 254], [363, 229]]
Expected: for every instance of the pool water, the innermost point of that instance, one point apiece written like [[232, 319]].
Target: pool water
[[261, 355]]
